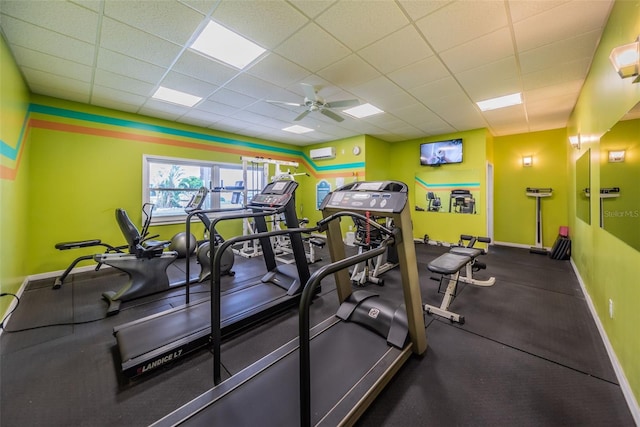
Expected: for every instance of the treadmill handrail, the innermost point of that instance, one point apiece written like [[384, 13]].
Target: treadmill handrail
[[267, 211], [323, 222], [216, 333], [198, 212], [304, 327]]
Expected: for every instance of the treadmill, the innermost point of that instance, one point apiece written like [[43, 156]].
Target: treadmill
[[332, 372], [156, 340]]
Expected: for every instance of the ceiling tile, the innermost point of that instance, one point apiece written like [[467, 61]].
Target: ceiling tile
[[55, 16], [171, 21], [79, 94], [489, 81], [103, 93], [378, 91], [485, 49], [380, 52], [441, 88], [216, 108], [586, 16], [116, 100], [397, 50], [419, 73], [254, 87], [460, 22], [200, 118], [312, 48], [312, 8], [178, 81], [118, 63], [582, 46], [162, 109], [234, 99], [557, 74], [418, 9], [26, 35], [526, 9], [349, 71], [358, 25], [55, 84], [203, 6], [93, 5], [137, 44], [52, 64], [278, 70], [123, 83], [267, 23], [195, 65]]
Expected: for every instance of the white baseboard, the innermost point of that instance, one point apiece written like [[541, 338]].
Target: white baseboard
[[42, 276], [14, 303], [516, 245], [50, 274], [622, 379]]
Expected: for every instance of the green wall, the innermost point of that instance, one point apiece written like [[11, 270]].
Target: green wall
[[405, 166], [608, 266], [87, 161], [515, 213], [14, 178], [80, 162]]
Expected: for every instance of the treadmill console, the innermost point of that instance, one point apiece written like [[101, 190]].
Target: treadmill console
[[381, 196], [197, 200], [277, 193]]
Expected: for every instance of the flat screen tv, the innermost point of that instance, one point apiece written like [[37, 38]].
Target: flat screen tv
[[441, 152]]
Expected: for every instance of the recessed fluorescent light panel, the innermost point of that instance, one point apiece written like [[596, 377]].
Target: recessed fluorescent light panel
[[176, 97], [298, 129], [364, 110], [223, 44], [500, 102]]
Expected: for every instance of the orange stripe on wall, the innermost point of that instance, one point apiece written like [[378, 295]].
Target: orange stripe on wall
[[64, 127], [10, 173]]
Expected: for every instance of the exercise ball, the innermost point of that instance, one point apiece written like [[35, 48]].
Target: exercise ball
[[179, 244]]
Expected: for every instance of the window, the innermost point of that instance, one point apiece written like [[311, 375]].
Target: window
[[170, 183]]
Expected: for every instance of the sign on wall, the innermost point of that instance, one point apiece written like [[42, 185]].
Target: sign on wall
[[322, 189]]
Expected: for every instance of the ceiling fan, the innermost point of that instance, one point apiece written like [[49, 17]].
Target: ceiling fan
[[313, 102]]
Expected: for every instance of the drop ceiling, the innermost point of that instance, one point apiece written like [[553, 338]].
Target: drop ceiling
[[425, 63]]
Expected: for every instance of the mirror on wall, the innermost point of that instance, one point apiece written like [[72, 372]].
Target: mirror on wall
[[583, 192], [455, 192], [620, 179]]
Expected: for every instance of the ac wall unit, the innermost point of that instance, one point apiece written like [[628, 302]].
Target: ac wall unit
[[323, 153]]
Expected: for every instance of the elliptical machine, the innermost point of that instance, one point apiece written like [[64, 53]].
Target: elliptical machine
[[203, 252]]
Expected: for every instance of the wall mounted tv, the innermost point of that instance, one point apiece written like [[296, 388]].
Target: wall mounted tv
[[441, 152]]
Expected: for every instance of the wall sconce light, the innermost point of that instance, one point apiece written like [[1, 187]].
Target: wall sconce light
[[527, 161], [626, 60], [616, 156], [574, 140]]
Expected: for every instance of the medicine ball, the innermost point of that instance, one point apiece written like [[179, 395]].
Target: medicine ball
[[179, 244]]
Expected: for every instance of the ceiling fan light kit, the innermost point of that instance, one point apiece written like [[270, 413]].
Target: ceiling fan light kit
[[313, 102]]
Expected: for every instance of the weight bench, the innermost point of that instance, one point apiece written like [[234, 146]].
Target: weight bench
[[314, 242], [450, 265]]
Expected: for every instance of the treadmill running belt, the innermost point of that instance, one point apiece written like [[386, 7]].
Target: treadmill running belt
[[138, 338], [340, 357]]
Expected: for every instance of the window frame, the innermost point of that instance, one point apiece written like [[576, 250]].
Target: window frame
[[215, 173]]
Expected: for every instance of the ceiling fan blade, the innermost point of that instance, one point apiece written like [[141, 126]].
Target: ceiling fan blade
[[293, 104], [331, 115], [302, 115], [309, 91], [343, 103]]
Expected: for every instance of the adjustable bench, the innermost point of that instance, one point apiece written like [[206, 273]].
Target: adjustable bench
[[451, 264], [448, 264]]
